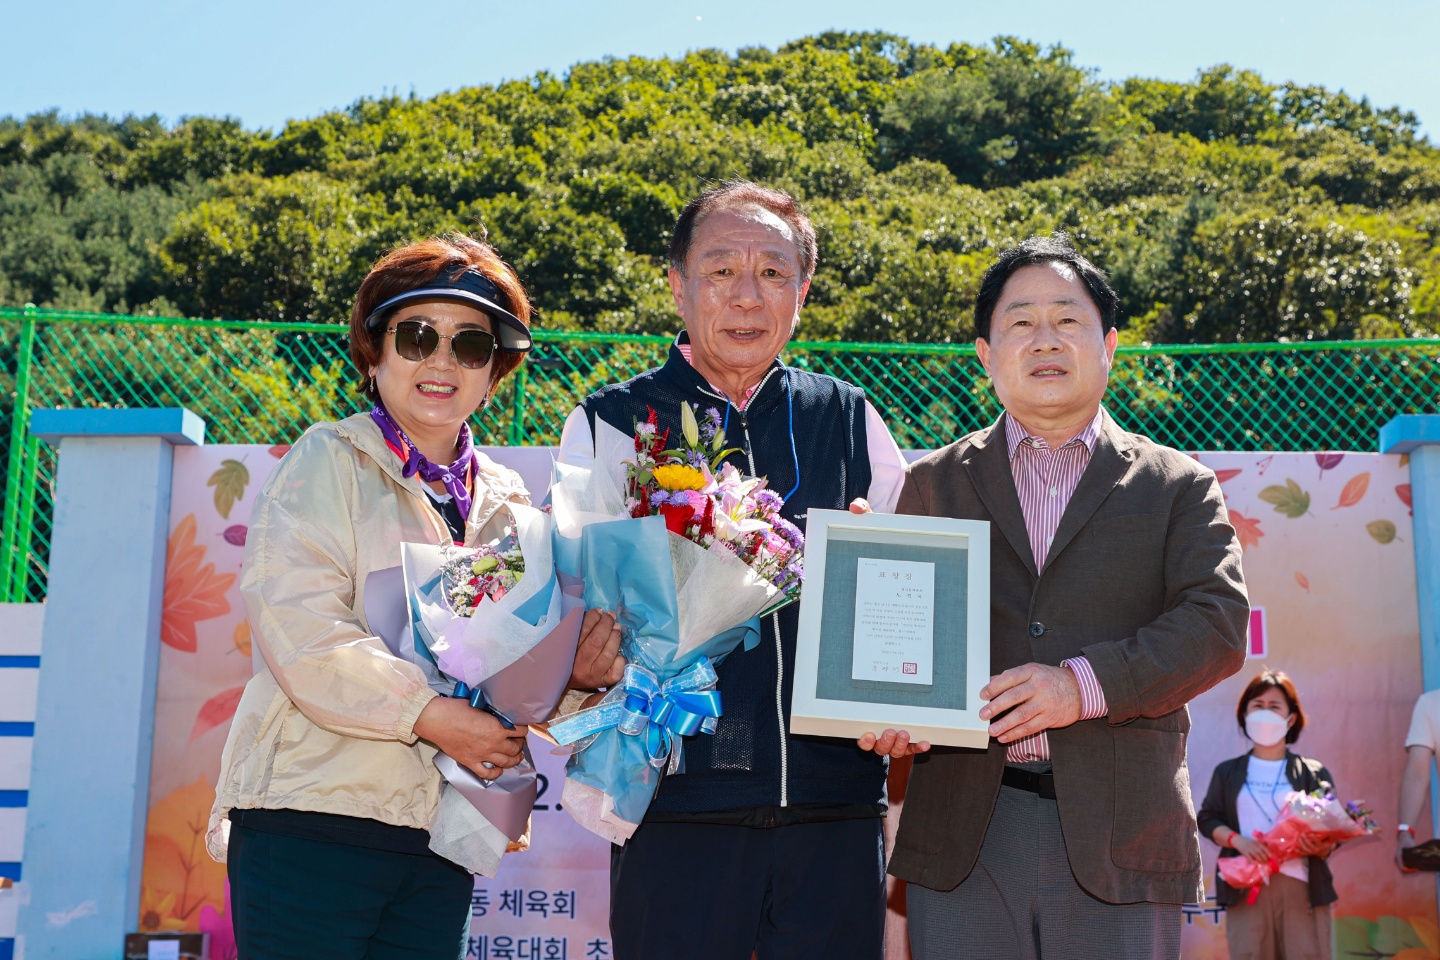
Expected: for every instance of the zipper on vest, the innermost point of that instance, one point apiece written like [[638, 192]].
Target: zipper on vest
[[779, 649], [780, 712]]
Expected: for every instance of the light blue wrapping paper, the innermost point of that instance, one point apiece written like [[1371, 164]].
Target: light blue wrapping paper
[[627, 568]]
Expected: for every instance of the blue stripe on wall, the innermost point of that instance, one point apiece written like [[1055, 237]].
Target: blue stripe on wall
[[15, 728], [14, 798], [30, 662], [11, 870], [7, 949]]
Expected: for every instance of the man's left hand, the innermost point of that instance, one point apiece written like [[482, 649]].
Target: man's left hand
[[597, 656], [1037, 697]]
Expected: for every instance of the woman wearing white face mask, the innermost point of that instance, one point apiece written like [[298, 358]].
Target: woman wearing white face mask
[[1290, 919]]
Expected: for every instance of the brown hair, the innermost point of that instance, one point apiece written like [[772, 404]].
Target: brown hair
[[743, 193], [414, 265], [1268, 679]]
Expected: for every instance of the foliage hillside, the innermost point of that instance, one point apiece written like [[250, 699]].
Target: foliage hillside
[[1225, 208]]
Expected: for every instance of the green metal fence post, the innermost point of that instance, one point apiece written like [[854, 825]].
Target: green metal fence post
[[24, 568], [517, 412], [11, 584]]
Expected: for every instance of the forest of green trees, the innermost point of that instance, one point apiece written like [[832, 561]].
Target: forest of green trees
[[1225, 208]]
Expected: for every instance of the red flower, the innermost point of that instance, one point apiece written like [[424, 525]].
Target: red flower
[[707, 518], [658, 438], [677, 518]]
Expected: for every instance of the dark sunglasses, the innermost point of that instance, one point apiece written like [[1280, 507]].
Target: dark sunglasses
[[415, 340]]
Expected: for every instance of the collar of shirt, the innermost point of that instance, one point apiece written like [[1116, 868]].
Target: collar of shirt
[[1015, 434], [682, 343]]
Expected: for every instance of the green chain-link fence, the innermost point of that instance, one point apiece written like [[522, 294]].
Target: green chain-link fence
[[265, 382]]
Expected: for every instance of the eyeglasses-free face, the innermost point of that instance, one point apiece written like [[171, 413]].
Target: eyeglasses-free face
[[416, 340]]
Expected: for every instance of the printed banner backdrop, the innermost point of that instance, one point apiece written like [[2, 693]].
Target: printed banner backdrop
[[1329, 560]]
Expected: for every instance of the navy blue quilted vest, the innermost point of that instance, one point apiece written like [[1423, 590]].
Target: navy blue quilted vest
[[752, 761]]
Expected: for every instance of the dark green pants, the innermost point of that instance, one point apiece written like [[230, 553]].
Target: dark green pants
[[298, 899]]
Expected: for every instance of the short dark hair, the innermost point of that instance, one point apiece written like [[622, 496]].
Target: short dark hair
[[743, 193], [1055, 248], [1268, 679], [412, 266]]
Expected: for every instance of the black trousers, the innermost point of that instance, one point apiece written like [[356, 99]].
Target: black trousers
[[299, 899], [706, 891]]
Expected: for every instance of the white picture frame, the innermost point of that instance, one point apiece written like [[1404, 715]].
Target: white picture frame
[[832, 702]]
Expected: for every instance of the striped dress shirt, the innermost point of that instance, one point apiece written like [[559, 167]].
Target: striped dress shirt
[[1045, 479]]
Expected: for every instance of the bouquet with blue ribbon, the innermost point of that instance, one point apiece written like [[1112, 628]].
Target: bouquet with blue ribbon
[[511, 656], [682, 605]]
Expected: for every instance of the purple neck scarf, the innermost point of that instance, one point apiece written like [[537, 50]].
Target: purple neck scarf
[[455, 477]]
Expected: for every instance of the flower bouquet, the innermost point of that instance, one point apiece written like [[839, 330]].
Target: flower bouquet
[[1319, 815], [689, 554], [489, 624]]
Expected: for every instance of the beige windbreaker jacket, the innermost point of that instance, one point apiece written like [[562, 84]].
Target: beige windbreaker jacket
[[326, 723]]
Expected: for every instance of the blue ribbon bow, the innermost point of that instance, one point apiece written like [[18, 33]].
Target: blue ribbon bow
[[642, 706], [682, 706], [478, 700]]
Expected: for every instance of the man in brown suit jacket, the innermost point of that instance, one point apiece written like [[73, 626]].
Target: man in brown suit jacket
[[1116, 597]]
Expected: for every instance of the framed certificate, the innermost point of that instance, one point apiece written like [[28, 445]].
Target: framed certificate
[[894, 627]]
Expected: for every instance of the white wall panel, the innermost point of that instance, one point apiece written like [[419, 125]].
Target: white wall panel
[[12, 833], [15, 763], [18, 686], [20, 625]]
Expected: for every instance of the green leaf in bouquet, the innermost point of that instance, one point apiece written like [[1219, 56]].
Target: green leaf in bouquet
[[1289, 499], [719, 458]]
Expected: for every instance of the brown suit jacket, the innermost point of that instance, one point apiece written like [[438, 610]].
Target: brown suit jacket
[[1143, 578]]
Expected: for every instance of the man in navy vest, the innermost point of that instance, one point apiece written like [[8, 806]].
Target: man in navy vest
[[768, 842]]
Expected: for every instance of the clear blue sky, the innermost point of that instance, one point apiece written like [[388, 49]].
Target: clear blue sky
[[266, 61]]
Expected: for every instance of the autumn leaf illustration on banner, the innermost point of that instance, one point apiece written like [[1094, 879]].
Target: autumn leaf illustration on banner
[[242, 638], [229, 482], [1403, 492], [1328, 461], [1385, 938], [1289, 499], [1382, 531], [193, 590], [179, 878], [217, 710], [1303, 580], [1354, 491], [1429, 935], [1247, 530], [1223, 475]]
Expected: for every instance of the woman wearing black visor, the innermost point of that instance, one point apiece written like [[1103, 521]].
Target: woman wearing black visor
[[328, 783]]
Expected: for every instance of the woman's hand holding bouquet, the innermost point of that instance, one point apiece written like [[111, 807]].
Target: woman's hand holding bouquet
[[496, 636]]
